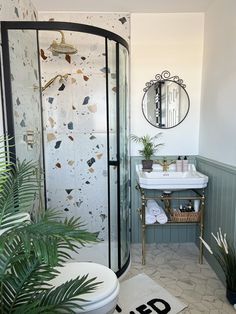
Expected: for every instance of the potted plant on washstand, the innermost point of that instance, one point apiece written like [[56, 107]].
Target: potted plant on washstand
[[149, 148], [226, 257]]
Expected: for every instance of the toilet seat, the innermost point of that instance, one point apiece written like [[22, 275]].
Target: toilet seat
[[106, 292]]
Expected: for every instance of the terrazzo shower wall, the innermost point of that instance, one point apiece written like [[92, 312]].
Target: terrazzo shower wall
[[75, 131], [25, 94], [118, 23], [25, 84], [75, 120], [26, 101], [22, 10], [24, 78]]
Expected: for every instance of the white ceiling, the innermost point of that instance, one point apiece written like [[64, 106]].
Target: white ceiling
[[133, 6]]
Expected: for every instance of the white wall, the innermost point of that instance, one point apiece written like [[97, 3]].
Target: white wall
[[171, 42], [218, 109]]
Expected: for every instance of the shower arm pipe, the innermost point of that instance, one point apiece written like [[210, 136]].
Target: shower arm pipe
[[53, 79], [62, 37]]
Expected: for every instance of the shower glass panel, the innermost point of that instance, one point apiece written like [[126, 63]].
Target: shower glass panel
[[24, 109], [25, 93], [68, 112], [76, 134], [112, 124], [124, 156]]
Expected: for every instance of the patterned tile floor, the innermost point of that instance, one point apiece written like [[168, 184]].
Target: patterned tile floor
[[175, 267]]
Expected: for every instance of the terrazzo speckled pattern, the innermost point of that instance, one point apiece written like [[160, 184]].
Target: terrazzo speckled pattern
[[24, 78], [75, 123], [24, 81], [175, 267], [22, 10]]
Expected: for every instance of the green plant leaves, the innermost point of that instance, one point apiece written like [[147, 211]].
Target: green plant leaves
[[31, 248], [64, 298], [18, 191], [148, 143], [27, 289]]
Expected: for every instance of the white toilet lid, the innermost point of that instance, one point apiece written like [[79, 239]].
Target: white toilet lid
[[72, 270]]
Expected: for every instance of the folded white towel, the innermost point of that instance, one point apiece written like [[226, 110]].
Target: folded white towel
[[150, 219], [153, 208], [155, 213], [162, 218]]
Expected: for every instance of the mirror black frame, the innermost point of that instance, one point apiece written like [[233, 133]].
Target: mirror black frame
[[163, 77]]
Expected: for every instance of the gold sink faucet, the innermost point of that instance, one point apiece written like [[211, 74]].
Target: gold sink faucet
[[165, 164]]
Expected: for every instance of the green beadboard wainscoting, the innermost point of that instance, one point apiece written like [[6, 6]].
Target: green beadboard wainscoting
[[157, 233], [220, 203]]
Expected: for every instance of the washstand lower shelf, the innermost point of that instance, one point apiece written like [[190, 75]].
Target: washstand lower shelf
[[174, 218]]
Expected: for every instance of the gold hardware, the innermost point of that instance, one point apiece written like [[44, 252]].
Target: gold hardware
[[29, 137], [166, 199], [62, 77], [165, 164]]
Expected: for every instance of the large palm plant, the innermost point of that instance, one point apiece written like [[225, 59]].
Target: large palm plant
[[30, 250]]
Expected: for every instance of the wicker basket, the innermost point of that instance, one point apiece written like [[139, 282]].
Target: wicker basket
[[185, 216]]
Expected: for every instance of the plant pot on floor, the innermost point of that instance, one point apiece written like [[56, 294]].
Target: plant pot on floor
[[147, 165], [231, 296]]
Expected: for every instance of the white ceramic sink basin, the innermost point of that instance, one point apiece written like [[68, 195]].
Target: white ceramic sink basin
[[171, 180]]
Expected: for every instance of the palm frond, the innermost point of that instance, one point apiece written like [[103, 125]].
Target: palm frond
[[29, 249], [9, 254], [157, 136], [10, 221], [135, 138], [32, 299], [49, 239], [18, 190], [4, 161], [66, 297], [23, 282]]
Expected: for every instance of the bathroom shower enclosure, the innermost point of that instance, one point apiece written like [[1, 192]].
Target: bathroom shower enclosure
[[69, 113]]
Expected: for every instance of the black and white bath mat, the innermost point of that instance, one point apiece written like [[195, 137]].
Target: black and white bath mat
[[142, 295]]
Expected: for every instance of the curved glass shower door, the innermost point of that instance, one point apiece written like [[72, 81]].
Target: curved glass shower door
[[23, 119], [118, 154], [84, 101], [124, 156], [75, 121]]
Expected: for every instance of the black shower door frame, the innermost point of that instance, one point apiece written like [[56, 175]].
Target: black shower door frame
[[8, 103]]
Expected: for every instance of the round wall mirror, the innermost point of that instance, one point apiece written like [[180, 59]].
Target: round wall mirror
[[165, 102]]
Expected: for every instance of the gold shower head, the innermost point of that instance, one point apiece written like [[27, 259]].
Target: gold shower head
[[62, 47]]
